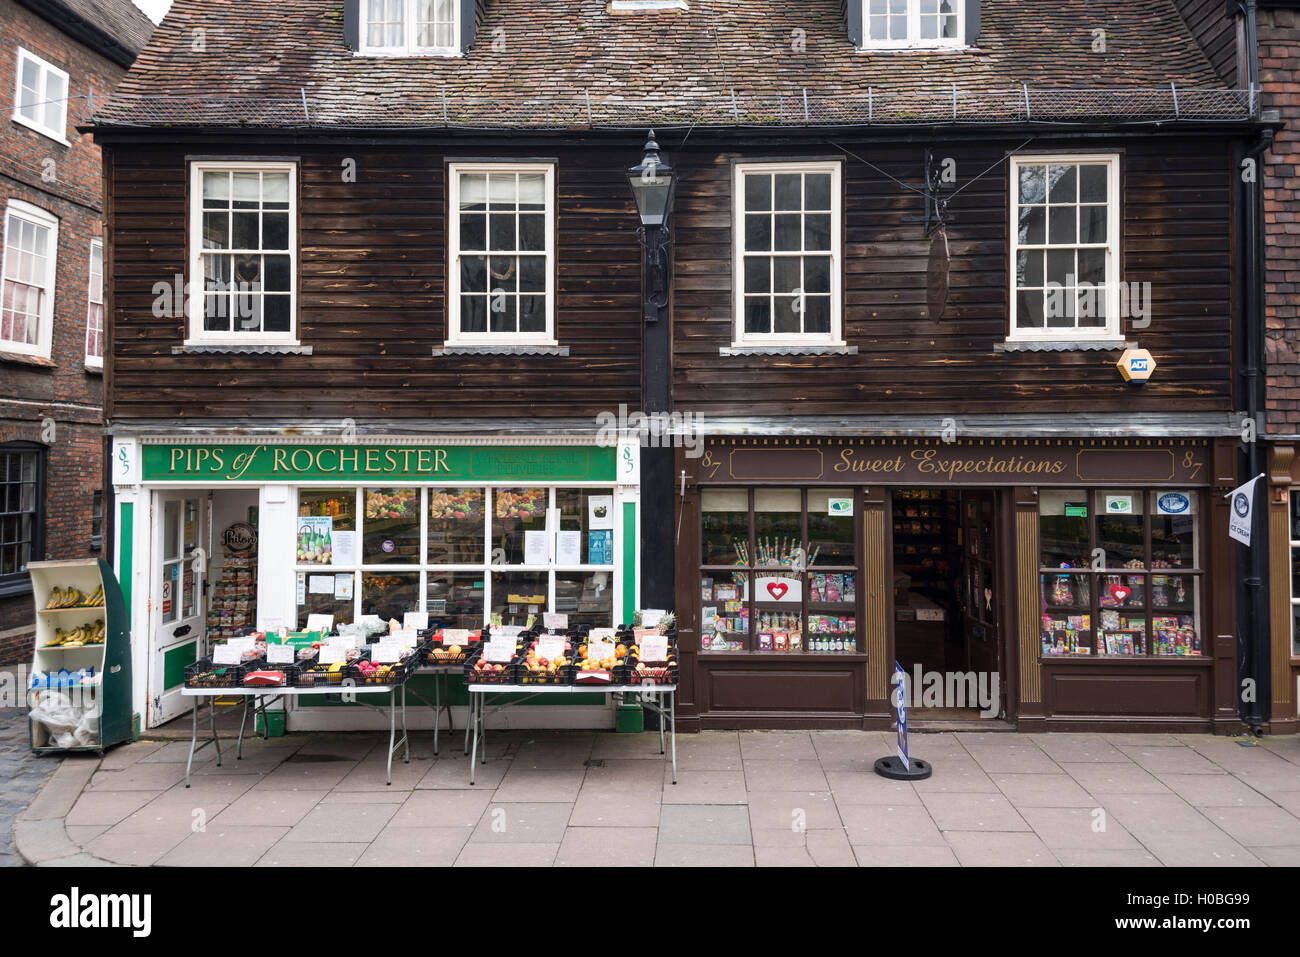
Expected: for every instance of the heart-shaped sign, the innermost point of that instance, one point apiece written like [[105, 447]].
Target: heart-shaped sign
[[1119, 593], [777, 589]]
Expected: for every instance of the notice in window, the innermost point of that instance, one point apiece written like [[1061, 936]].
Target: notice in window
[[536, 548]]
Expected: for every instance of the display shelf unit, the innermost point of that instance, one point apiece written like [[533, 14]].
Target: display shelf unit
[[111, 659]]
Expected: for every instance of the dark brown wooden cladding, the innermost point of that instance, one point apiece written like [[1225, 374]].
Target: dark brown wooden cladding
[[1177, 235], [371, 298]]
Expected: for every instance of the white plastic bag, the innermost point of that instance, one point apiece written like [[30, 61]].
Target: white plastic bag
[[54, 709]]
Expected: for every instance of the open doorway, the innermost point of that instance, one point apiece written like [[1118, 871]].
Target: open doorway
[[946, 600]]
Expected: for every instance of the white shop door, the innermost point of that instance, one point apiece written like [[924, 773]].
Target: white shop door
[[178, 617]]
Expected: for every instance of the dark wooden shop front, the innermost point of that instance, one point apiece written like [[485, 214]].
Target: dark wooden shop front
[[1085, 581]]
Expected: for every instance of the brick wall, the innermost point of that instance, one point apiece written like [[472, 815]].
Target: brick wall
[[62, 390], [1279, 67]]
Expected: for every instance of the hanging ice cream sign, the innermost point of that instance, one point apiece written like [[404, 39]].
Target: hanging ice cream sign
[[778, 589]]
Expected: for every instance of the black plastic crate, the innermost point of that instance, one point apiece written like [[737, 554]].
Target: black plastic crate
[[564, 675], [508, 675], [204, 674]]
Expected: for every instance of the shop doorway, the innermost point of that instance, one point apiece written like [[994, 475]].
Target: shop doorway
[[180, 522], [947, 599]]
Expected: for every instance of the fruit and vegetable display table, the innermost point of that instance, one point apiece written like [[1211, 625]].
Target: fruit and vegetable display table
[[266, 669], [608, 661]]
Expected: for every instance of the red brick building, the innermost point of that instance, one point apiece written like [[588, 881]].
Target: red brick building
[[57, 57]]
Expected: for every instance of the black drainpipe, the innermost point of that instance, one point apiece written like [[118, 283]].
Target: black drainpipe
[[1253, 632]]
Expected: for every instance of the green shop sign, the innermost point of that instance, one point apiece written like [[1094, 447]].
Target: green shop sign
[[275, 462]]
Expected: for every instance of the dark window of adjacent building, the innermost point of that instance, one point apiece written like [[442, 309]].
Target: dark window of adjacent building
[[97, 522], [22, 513]]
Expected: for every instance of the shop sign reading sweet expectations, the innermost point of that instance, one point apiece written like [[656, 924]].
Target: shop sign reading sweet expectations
[[301, 462], [992, 463]]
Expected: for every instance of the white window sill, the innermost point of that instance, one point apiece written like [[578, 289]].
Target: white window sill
[[25, 358], [95, 367], [47, 133], [242, 348], [491, 349], [919, 48], [405, 55], [1063, 345], [818, 349]]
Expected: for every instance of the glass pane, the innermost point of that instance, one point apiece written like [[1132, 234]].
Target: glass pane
[[758, 274], [532, 190], [275, 187], [786, 319], [473, 191], [758, 232], [724, 619], [831, 624], [788, 188], [516, 512], [321, 513], [390, 595], [787, 274], [1029, 309], [817, 232], [588, 515], [1063, 528], [778, 537], [391, 530], [817, 315], [473, 231], [1062, 228], [216, 188], [758, 191], [1062, 184], [325, 604], [1066, 627], [725, 526], [830, 528], [517, 595], [247, 190], [788, 235], [778, 623], [1033, 187], [455, 599], [1092, 183], [456, 526], [1173, 529], [817, 191], [586, 597], [171, 530], [171, 599], [473, 273], [1033, 225], [1092, 224], [816, 274], [758, 315], [1119, 529], [1175, 627], [1122, 631]]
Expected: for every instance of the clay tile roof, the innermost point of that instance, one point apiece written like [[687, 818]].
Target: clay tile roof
[[571, 63], [117, 28]]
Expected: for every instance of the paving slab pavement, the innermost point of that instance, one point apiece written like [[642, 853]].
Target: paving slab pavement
[[743, 799]]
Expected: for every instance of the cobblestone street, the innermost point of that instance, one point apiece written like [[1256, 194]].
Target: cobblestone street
[[21, 776]]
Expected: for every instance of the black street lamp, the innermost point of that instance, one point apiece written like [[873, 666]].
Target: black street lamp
[[653, 183]]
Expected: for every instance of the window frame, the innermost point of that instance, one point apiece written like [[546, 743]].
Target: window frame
[[913, 40], [1111, 331], [46, 68], [196, 335], [95, 361], [454, 336], [409, 48], [42, 218], [20, 583], [835, 337]]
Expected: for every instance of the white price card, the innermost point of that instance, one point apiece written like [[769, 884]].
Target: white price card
[[320, 584], [654, 648], [280, 654], [241, 644], [386, 653], [321, 623], [597, 650], [406, 638], [331, 654], [499, 650], [507, 631], [455, 636], [419, 620], [550, 647], [555, 620], [601, 634], [225, 655], [651, 616]]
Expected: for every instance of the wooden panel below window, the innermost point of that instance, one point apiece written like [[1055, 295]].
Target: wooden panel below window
[[1140, 690], [768, 686]]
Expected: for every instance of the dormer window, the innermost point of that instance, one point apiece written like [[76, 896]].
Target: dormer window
[[914, 24], [409, 27]]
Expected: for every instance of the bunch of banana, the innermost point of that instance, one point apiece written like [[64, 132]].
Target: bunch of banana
[[87, 634], [97, 596], [69, 597]]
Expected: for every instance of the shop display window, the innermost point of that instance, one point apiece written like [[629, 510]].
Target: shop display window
[[778, 571], [459, 554], [1120, 573]]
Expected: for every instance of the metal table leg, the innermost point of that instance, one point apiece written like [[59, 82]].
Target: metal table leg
[[660, 715], [194, 741], [437, 709], [469, 719], [672, 712], [392, 730], [473, 723], [406, 739], [239, 749]]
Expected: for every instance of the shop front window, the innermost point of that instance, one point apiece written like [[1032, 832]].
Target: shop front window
[[459, 554], [1120, 573], [778, 570]]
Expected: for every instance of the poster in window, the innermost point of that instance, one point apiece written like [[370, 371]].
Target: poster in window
[[600, 511], [600, 547]]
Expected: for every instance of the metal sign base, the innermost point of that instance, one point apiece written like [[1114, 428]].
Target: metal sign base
[[892, 768]]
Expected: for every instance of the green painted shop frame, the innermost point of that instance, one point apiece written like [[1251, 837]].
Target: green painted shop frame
[[188, 464]]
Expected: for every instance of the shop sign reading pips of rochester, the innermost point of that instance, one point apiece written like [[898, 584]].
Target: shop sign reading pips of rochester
[[304, 462], [993, 462]]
